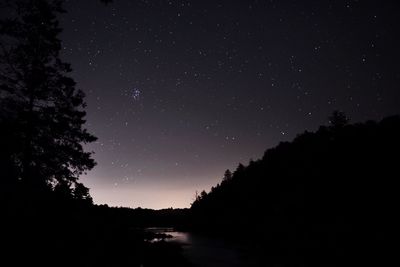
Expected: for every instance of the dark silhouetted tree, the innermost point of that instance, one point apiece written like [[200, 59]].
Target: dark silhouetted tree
[[81, 192], [42, 112], [239, 170], [227, 175], [338, 119], [203, 194]]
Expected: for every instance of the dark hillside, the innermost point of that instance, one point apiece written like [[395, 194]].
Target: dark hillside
[[328, 194]]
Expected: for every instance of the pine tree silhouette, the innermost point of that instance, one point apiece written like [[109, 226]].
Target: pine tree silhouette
[[41, 110]]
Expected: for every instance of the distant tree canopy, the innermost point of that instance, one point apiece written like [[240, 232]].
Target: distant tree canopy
[[227, 175], [42, 113]]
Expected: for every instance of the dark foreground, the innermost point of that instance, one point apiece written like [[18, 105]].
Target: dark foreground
[[76, 235]]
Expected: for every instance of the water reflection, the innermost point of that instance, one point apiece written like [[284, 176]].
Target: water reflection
[[168, 234], [201, 250]]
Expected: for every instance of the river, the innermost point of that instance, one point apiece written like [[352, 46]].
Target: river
[[206, 251]]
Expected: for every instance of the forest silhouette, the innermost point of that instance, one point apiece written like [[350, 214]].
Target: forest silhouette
[[326, 197]]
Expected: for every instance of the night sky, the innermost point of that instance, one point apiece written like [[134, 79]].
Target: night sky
[[180, 91]]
